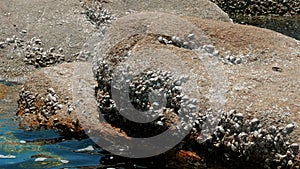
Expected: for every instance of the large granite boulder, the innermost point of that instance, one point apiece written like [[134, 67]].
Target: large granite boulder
[[252, 65], [246, 77]]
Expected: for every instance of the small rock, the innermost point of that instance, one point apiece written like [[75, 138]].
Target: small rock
[[2, 44], [209, 48], [51, 50], [221, 129], [289, 128], [38, 41], [238, 61], [256, 134], [227, 57], [64, 161], [176, 40], [242, 136], [185, 98], [186, 45], [160, 123], [192, 106], [22, 141], [178, 83], [40, 159], [162, 40], [237, 127], [9, 40], [7, 156], [254, 123], [290, 163], [239, 117], [23, 31], [60, 106], [277, 69], [272, 129], [295, 148], [232, 59], [51, 90], [191, 36], [89, 148], [233, 148], [60, 50]]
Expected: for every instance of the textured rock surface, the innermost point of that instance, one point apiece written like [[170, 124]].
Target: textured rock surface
[[264, 85], [196, 8], [43, 33], [46, 101], [266, 64], [56, 24], [259, 7]]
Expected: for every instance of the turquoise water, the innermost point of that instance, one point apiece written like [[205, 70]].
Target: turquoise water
[[20, 148]]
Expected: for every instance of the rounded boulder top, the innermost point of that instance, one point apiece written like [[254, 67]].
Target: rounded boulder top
[[197, 8]]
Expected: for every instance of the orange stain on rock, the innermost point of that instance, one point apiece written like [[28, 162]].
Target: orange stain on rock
[[188, 155], [3, 91]]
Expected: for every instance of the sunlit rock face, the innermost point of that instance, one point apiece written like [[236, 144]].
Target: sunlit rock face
[[259, 69]]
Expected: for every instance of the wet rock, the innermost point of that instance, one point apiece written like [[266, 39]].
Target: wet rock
[[46, 101]]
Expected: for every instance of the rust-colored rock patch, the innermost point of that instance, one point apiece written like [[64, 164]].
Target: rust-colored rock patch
[[3, 91]]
